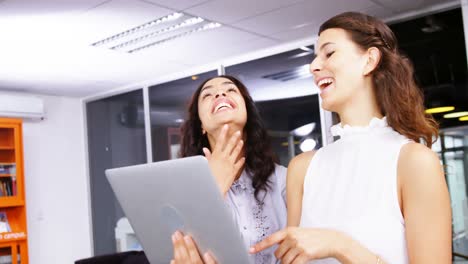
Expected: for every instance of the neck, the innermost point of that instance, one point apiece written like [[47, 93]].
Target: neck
[[214, 135], [232, 129], [360, 110]]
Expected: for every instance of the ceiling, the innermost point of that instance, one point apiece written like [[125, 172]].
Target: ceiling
[[46, 44]]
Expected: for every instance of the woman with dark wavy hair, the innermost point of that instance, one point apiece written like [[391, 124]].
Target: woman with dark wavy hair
[[378, 194], [224, 125]]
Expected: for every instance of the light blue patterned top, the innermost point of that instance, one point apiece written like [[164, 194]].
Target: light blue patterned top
[[257, 220]]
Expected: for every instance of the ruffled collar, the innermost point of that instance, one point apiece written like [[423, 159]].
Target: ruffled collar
[[375, 124]]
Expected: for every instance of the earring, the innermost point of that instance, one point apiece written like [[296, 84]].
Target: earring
[[203, 131]]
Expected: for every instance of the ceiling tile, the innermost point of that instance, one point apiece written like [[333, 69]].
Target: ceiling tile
[[405, 6], [303, 13], [45, 7], [378, 11], [304, 31], [228, 11], [179, 4], [202, 47]]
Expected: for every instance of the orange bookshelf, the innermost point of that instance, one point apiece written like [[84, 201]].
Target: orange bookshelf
[[13, 240]]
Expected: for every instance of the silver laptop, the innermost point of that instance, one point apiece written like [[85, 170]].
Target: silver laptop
[[162, 197]]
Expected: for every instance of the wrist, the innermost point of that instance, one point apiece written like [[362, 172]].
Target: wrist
[[341, 250], [349, 251]]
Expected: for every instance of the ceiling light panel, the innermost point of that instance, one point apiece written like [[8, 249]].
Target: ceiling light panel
[[157, 31]]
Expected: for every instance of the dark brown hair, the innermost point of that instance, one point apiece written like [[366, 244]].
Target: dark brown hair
[[398, 96], [259, 156]]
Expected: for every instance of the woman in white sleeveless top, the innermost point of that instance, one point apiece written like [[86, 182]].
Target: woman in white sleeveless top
[[376, 195]]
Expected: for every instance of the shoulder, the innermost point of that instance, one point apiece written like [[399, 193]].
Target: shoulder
[[419, 167], [301, 161], [415, 155], [298, 166], [280, 170], [279, 175]]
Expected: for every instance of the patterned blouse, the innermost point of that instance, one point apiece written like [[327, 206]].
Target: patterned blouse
[[258, 219]]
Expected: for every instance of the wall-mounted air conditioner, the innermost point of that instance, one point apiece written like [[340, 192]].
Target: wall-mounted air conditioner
[[21, 106]]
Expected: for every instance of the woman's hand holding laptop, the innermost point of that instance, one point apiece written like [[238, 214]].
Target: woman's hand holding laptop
[[186, 252]]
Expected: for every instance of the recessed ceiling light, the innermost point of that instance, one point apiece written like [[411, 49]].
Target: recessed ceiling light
[[463, 118], [441, 109], [456, 114], [308, 144], [304, 130]]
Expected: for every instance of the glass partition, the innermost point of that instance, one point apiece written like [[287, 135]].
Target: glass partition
[[116, 138], [168, 107], [286, 96]]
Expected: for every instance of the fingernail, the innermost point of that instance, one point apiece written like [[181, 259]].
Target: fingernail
[[187, 239], [178, 235]]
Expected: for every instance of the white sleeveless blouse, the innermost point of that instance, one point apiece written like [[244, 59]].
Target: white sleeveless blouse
[[351, 186]]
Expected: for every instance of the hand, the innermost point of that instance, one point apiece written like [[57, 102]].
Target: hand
[[300, 245], [186, 252], [224, 161]]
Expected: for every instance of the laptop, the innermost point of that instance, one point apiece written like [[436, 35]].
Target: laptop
[[162, 197]]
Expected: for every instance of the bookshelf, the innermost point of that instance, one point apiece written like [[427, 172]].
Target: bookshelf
[[13, 233]]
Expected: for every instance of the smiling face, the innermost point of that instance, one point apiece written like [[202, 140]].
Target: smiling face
[[220, 102], [339, 69]]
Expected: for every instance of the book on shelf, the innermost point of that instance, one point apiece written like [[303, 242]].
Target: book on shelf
[[8, 186], [8, 260], [4, 225], [7, 168]]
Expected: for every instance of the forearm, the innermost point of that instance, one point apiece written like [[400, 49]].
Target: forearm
[[352, 252]]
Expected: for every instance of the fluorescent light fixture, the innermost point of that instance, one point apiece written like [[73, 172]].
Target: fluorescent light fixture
[[308, 144], [456, 114], [186, 23], [155, 32], [209, 26], [304, 130], [441, 109], [463, 118], [139, 28]]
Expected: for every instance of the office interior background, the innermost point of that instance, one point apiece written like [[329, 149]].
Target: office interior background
[[115, 77]]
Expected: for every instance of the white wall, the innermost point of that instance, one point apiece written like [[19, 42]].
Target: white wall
[[56, 184]]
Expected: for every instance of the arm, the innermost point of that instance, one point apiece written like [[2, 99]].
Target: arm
[[425, 205], [295, 185]]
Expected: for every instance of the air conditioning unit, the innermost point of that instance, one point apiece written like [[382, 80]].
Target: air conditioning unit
[[21, 106]]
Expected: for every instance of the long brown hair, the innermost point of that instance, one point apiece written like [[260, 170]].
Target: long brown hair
[[398, 96], [259, 156]]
